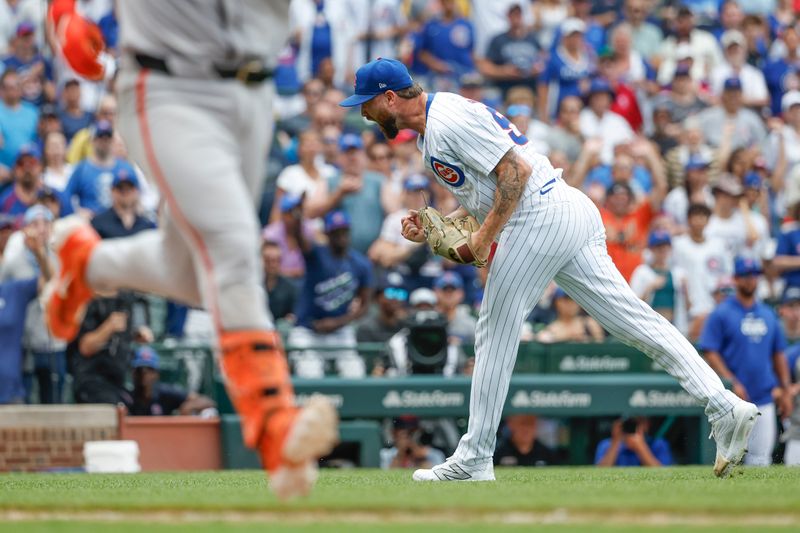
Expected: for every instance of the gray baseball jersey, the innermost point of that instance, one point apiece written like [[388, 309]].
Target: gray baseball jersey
[[204, 32]]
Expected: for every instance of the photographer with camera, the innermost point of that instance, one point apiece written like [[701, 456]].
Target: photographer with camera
[[630, 445], [100, 356], [424, 345], [411, 448]]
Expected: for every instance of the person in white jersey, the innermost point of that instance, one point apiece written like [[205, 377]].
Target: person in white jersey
[[544, 230]]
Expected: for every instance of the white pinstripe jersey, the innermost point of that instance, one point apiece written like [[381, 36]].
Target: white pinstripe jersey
[[463, 142]]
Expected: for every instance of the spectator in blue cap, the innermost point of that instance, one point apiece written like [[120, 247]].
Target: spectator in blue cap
[[390, 249], [748, 128], [151, 397], [694, 190], [89, 187], [521, 115], [744, 343], [356, 191], [24, 192], [449, 290], [597, 121], [683, 99], [281, 232], [123, 218], [335, 293], [391, 297], [18, 118], [35, 71], [570, 324], [660, 284]]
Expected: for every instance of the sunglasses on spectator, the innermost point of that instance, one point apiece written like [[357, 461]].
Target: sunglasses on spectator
[[393, 293]]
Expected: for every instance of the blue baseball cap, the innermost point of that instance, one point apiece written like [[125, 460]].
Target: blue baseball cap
[[791, 294], [600, 85], [696, 162], [349, 141], [336, 220], [733, 84], [416, 182], [391, 280], [36, 212], [658, 238], [752, 181], [682, 70], [29, 150], [102, 128], [558, 293], [25, 28], [518, 110], [377, 77], [290, 201], [449, 279], [146, 357], [746, 266], [124, 175]]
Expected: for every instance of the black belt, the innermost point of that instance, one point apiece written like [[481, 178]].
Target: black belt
[[249, 72]]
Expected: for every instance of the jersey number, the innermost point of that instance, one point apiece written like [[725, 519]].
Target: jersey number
[[510, 128]]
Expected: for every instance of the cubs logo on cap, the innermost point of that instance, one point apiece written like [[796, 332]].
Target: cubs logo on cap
[[450, 174]]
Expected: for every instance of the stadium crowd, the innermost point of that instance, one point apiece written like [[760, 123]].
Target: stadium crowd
[[680, 121]]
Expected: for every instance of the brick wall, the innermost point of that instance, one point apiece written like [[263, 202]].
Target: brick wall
[[39, 437]]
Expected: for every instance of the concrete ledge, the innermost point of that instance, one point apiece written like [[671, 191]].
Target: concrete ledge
[[49, 416]]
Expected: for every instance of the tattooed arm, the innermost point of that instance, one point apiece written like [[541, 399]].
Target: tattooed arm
[[512, 175]]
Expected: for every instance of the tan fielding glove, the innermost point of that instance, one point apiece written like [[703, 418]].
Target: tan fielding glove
[[449, 237]]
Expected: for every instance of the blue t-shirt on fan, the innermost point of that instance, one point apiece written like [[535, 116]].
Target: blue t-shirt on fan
[[89, 186], [789, 244], [746, 338], [14, 299], [331, 284]]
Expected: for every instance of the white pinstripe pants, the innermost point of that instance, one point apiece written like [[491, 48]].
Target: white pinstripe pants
[[560, 235]]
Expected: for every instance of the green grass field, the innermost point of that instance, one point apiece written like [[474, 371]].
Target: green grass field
[[554, 499]]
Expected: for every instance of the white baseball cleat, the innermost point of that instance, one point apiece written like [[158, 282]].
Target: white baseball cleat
[[731, 434], [314, 434], [451, 470]]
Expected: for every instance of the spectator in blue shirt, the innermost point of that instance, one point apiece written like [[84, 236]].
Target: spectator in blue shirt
[[782, 74], [34, 70], [151, 397], [14, 299], [18, 118], [568, 71], [89, 187], [122, 219], [744, 343], [72, 116], [24, 192], [787, 254], [446, 45], [334, 295], [629, 445]]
